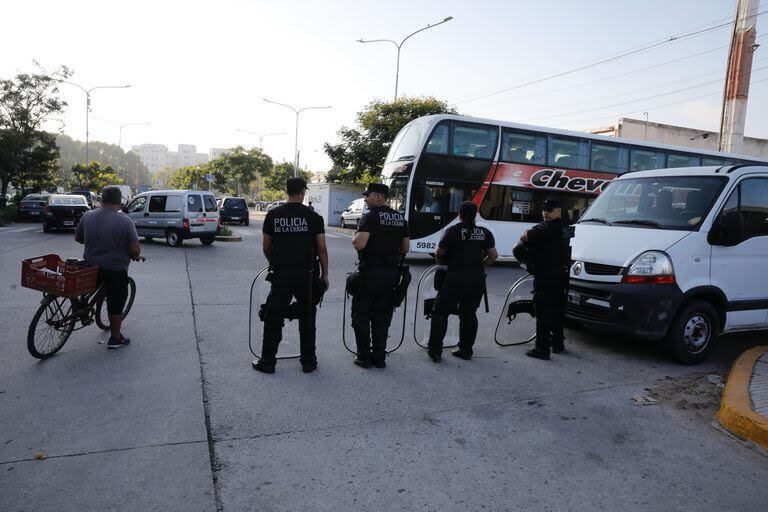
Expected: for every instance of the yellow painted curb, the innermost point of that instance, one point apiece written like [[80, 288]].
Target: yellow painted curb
[[736, 412]]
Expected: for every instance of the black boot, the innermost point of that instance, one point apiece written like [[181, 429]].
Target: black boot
[[538, 354]]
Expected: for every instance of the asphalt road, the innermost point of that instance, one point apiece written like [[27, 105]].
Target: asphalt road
[[180, 421]]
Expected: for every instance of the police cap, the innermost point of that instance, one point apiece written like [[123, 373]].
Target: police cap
[[379, 188], [550, 204]]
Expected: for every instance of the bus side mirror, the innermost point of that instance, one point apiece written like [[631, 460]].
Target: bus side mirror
[[728, 230]]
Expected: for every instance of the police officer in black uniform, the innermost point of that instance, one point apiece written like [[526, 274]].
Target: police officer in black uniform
[[382, 242], [548, 255], [465, 248], [294, 244]]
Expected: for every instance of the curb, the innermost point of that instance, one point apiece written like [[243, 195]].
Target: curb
[[228, 239], [736, 412]]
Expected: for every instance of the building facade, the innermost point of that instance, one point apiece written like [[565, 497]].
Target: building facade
[[638, 129], [157, 156]]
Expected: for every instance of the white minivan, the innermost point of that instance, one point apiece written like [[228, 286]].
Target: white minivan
[[679, 255]]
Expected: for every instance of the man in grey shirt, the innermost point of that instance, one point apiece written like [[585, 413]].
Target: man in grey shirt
[[111, 242]]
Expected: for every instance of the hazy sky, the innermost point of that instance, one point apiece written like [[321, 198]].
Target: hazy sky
[[199, 69]]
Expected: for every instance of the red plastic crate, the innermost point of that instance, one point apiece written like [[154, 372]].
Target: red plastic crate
[[64, 279]]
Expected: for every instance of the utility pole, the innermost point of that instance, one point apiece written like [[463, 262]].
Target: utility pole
[[736, 91]]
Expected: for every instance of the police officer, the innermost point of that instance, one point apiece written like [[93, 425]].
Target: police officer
[[464, 248], [548, 255], [382, 242], [293, 242]]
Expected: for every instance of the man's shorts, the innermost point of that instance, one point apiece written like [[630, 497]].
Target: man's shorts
[[115, 288]]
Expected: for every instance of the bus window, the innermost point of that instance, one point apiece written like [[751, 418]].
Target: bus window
[[609, 158], [677, 160], [567, 152], [643, 159], [474, 141], [506, 203], [406, 144], [438, 143], [523, 148], [708, 160]]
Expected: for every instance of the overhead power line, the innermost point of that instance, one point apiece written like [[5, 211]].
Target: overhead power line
[[622, 55]]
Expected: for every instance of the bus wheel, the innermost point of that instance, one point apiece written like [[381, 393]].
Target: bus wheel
[[694, 332]]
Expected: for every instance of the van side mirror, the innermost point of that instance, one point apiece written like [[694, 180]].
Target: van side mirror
[[728, 230]]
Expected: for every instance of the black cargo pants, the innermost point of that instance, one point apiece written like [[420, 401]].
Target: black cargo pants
[[461, 294], [549, 296], [372, 310]]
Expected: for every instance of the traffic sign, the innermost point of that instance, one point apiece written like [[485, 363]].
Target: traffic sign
[[209, 178]]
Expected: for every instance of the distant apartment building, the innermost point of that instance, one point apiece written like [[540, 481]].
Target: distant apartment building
[[638, 129], [157, 156], [215, 153]]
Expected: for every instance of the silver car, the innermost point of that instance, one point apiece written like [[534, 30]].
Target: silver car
[[175, 215], [354, 212]]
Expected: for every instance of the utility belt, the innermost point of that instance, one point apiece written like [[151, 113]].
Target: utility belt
[[316, 289], [355, 280]]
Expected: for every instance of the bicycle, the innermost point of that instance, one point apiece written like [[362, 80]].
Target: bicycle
[[55, 319]]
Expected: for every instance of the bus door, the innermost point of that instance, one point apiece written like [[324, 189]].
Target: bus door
[[435, 203]]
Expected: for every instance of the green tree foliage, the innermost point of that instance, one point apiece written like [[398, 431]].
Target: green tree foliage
[[188, 178], [93, 176], [73, 151], [279, 174], [361, 151], [236, 171], [26, 102]]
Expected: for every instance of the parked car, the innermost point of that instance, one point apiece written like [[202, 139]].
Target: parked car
[[31, 207], [89, 196], [234, 209], [63, 211], [678, 255], [175, 215], [274, 205], [351, 216], [260, 205]]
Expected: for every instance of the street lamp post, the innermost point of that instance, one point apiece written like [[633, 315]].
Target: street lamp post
[[296, 134], [88, 108], [400, 45], [261, 137]]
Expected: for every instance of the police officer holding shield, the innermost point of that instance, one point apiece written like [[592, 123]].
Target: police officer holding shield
[[548, 260], [294, 245], [465, 248], [381, 242]]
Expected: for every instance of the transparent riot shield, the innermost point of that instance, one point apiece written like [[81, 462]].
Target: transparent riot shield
[[289, 345], [426, 293], [396, 327], [517, 321]]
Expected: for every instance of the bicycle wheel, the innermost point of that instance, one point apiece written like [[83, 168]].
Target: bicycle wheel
[[102, 316], [48, 331]]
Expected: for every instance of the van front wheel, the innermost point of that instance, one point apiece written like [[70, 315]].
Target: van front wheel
[[173, 238], [694, 332]]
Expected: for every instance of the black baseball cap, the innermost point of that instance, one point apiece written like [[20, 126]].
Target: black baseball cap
[[379, 188], [550, 204], [295, 185]]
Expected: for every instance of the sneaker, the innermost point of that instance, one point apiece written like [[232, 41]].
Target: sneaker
[[113, 343], [362, 364], [380, 364], [263, 367], [309, 367], [462, 354], [537, 354]]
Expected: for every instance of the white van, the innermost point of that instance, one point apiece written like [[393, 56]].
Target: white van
[[679, 255], [175, 215]]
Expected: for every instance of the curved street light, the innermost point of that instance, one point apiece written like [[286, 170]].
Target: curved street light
[[400, 45], [296, 137], [88, 107]]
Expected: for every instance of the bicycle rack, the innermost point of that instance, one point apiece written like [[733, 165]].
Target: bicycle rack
[[425, 297], [345, 319], [262, 284], [520, 313]]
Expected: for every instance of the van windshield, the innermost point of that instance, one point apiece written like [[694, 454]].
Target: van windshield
[[674, 202]]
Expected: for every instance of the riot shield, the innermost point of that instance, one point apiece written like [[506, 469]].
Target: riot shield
[[396, 327], [426, 293], [517, 320], [289, 345]]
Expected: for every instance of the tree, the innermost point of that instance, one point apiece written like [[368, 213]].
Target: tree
[[192, 177], [279, 174], [125, 164], [93, 176], [234, 172], [26, 102], [362, 150]]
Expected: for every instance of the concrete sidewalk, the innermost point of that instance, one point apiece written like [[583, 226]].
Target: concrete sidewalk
[[744, 410]]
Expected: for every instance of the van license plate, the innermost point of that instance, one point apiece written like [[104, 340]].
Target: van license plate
[[574, 297], [69, 223]]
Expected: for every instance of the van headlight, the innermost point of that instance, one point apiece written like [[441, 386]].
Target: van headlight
[[651, 267]]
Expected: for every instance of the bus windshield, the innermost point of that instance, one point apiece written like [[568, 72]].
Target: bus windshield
[[675, 202], [398, 189]]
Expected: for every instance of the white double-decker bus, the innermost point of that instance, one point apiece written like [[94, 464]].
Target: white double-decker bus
[[437, 162]]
